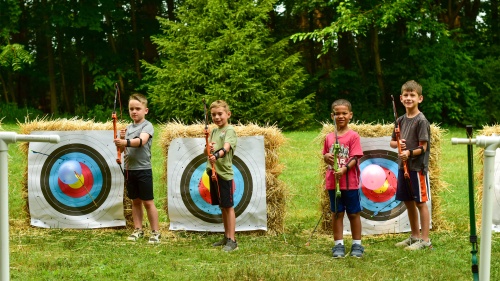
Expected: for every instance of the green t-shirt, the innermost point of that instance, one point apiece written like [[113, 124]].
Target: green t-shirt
[[224, 165]]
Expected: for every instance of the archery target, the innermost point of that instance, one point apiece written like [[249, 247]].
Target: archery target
[[381, 212], [189, 203], [75, 183], [496, 190]]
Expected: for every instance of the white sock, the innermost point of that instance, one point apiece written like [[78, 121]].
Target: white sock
[[341, 242], [356, 242]]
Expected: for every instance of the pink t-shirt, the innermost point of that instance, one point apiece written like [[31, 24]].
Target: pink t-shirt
[[350, 146]]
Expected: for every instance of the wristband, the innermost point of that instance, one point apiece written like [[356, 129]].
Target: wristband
[[128, 143], [411, 153], [216, 154]]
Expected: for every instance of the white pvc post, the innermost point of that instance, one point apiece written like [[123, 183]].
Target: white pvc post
[[490, 143], [7, 138]]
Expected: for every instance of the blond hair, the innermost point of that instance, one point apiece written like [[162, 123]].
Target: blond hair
[[140, 98], [220, 103], [412, 85]]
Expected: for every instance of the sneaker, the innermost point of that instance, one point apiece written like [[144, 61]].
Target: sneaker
[[155, 237], [338, 251], [407, 242], [357, 250], [230, 246], [222, 242], [136, 235], [421, 244]]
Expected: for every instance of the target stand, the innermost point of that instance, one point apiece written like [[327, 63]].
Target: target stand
[[490, 144], [7, 138]]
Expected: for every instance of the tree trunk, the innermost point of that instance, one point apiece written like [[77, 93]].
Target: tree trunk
[[378, 64], [135, 35]]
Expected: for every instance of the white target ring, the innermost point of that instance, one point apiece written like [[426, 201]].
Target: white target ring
[[93, 199], [188, 206]]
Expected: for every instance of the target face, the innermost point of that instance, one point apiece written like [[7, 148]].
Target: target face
[[381, 212], [75, 183], [189, 202]]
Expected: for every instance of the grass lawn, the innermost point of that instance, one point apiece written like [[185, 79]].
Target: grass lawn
[[104, 254]]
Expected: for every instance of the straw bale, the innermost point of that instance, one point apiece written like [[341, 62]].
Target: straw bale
[[486, 131], [63, 124], [380, 130], [276, 190]]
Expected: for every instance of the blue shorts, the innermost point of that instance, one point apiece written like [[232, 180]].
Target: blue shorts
[[221, 192], [140, 184], [420, 190], [349, 201]]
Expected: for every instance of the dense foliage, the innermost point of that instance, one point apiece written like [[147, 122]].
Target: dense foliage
[[274, 61]]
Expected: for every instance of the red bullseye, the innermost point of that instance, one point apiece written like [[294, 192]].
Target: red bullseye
[[386, 191], [80, 188]]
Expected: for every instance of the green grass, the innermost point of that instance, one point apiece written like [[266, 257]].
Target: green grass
[[104, 254]]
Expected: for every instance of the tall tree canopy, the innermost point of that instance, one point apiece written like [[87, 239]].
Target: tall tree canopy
[[282, 61], [222, 49]]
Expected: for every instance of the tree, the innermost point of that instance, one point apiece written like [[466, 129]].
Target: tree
[[223, 50]]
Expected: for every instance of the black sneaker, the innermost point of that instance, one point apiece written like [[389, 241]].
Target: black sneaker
[[230, 246], [222, 242]]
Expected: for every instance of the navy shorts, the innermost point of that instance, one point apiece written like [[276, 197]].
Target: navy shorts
[[221, 192], [140, 184], [420, 190], [349, 201]]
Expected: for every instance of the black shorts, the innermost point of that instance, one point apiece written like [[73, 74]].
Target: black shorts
[[221, 192], [140, 184]]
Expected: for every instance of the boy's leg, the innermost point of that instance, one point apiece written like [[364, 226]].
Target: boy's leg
[[355, 222], [152, 213], [413, 218], [338, 226], [229, 219], [137, 213], [424, 220]]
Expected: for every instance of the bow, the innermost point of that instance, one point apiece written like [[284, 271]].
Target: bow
[[207, 145], [115, 129], [398, 136], [473, 236], [336, 149]]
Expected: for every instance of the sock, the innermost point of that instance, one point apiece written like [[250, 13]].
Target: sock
[[341, 242], [356, 242]]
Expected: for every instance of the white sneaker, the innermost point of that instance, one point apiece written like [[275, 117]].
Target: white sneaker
[[420, 245]]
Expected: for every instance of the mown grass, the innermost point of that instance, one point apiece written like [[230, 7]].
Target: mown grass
[[104, 254]]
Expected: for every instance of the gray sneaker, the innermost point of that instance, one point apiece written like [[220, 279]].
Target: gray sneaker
[[230, 246], [155, 237], [222, 242], [136, 235], [338, 251], [357, 251], [407, 242]]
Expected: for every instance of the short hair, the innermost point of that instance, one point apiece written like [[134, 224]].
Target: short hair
[[220, 103], [342, 102], [140, 98], [412, 85]]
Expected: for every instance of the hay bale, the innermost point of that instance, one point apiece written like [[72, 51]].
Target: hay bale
[[63, 124], [381, 130], [276, 190], [486, 131]]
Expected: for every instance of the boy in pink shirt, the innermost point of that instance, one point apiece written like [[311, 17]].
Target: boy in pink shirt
[[347, 176]]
